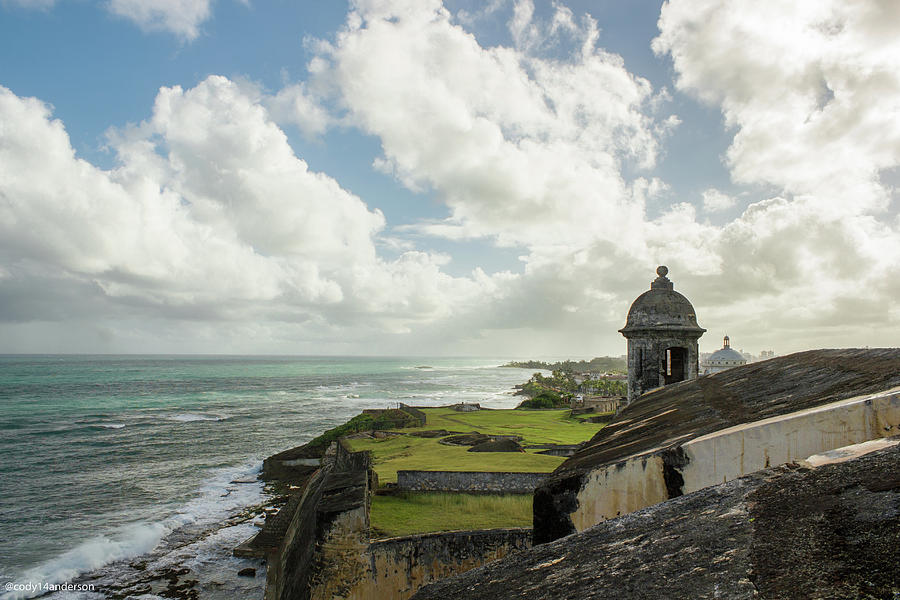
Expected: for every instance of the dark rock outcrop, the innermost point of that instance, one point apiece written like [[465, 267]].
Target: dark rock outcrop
[[786, 532]]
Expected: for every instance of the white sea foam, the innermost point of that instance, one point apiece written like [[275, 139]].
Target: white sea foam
[[133, 540], [192, 417], [111, 425], [216, 500]]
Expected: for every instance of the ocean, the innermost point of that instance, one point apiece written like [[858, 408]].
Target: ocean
[[112, 466]]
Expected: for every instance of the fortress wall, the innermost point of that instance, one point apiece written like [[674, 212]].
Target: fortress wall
[[287, 568], [619, 489], [412, 410], [660, 474], [340, 564], [469, 482], [736, 451], [396, 568], [330, 520], [327, 553]]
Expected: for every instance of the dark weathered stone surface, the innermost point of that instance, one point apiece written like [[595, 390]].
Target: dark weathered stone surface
[[278, 467], [554, 449], [414, 411], [339, 486], [272, 532], [400, 566], [432, 433], [466, 439], [787, 532], [497, 446], [670, 416]]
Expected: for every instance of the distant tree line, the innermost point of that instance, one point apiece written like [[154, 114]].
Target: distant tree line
[[600, 364], [558, 390]]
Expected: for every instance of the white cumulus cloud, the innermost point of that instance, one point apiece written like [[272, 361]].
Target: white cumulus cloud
[[715, 200], [522, 149], [531, 152], [812, 91], [208, 216], [181, 17], [812, 88]]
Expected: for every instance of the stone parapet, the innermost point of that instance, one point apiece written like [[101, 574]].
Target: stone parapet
[[473, 482]]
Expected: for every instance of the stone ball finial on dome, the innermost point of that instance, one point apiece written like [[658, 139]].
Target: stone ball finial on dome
[[662, 282]]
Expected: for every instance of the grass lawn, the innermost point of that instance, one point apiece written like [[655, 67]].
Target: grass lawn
[[409, 452], [422, 513], [535, 427]]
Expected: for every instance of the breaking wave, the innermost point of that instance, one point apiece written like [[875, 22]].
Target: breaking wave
[[193, 417], [216, 499]]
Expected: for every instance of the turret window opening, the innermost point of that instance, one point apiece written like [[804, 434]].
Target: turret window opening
[[675, 361]]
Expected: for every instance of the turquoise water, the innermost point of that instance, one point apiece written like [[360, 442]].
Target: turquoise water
[[103, 457]]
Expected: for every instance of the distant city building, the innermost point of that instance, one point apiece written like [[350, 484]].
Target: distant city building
[[725, 358], [662, 334], [766, 354]]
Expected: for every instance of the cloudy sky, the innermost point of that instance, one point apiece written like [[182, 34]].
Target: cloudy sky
[[473, 178]]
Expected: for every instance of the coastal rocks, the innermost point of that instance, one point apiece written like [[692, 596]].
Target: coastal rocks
[[244, 480], [192, 562], [167, 582]]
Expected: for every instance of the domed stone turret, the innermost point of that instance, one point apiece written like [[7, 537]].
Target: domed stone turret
[[662, 333]]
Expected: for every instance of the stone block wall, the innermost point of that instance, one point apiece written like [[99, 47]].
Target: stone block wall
[[326, 552], [616, 489], [472, 482], [398, 567], [330, 515], [412, 410]]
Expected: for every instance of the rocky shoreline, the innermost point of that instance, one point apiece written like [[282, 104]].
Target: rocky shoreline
[[194, 562]]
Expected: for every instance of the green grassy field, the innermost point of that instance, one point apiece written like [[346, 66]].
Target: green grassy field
[[535, 427], [409, 452], [424, 512]]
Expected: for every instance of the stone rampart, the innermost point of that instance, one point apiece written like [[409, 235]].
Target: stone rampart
[[639, 481], [785, 532], [472, 482], [412, 410], [331, 512], [398, 567], [326, 552]]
